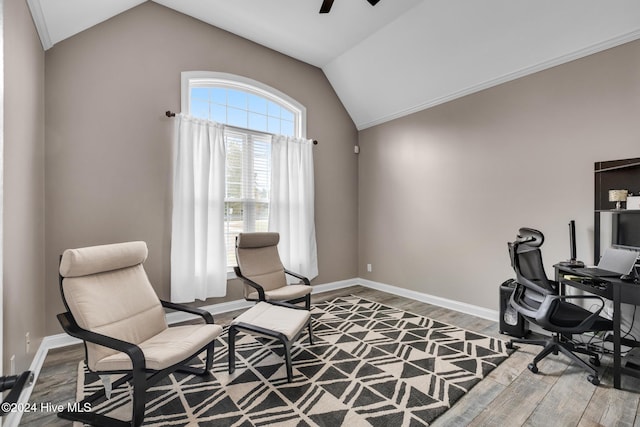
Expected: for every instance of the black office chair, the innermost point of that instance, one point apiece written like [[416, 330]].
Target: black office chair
[[536, 298]]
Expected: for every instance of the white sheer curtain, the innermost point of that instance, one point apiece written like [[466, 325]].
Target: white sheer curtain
[[291, 208], [198, 255]]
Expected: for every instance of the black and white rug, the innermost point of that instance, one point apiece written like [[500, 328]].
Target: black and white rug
[[370, 365]]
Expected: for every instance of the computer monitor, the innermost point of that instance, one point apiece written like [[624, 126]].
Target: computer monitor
[[626, 231]]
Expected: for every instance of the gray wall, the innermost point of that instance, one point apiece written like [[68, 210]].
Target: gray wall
[[431, 200], [23, 225], [443, 190], [108, 151]]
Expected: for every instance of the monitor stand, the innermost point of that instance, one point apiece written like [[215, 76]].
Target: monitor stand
[[572, 263]]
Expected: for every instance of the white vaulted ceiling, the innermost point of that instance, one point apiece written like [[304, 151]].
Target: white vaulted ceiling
[[400, 56]]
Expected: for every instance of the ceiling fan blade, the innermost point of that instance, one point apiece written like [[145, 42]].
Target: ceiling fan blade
[[373, 2], [326, 6]]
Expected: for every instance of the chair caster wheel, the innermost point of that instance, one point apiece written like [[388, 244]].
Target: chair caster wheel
[[533, 368], [595, 361], [593, 379]]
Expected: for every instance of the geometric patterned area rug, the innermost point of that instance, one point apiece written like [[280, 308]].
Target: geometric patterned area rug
[[370, 365]]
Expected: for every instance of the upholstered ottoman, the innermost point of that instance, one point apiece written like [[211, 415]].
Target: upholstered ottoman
[[276, 321]]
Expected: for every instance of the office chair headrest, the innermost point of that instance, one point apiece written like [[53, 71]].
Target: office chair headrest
[[530, 237]]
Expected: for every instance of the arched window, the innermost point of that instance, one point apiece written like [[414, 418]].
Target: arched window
[[252, 112], [241, 102]]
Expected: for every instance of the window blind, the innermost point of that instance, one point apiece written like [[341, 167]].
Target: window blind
[[247, 192]]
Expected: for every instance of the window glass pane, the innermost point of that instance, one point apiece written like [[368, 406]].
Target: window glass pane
[[257, 104], [201, 93], [262, 216], [287, 128], [237, 99], [258, 122], [274, 125], [234, 169], [236, 117], [199, 109], [274, 109], [232, 226], [261, 168], [287, 115], [219, 95], [248, 175], [218, 113]]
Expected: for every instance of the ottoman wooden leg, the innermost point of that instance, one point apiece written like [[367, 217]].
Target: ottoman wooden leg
[[287, 359], [310, 333], [232, 348]]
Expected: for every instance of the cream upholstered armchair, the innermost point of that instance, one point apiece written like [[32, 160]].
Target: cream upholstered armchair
[[263, 274], [113, 308]]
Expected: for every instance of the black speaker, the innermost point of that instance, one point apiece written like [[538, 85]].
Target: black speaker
[[511, 322]]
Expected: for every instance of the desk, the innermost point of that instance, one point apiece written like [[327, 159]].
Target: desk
[[618, 292]]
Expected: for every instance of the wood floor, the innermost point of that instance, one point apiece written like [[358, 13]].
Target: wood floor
[[510, 395]]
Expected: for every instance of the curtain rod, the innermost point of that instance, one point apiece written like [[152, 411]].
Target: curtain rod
[[170, 113]]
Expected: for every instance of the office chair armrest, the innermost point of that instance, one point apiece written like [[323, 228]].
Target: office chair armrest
[[544, 313], [208, 317], [298, 276], [134, 352], [592, 318], [246, 280], [568, 297]]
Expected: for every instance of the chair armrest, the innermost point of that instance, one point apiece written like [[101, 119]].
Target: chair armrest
[[592, 318], [544, 313], [71, 327], [565, 297], [298, 276], [208, 317], [257, 287], [286, 304]]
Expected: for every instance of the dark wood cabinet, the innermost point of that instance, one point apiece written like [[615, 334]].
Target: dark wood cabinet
[[616, 175]]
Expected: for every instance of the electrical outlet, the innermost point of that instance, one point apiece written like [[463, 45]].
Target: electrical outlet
[[27, 341], [369, 269]]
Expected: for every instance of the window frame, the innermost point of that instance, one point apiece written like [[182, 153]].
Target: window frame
[[191, 79]]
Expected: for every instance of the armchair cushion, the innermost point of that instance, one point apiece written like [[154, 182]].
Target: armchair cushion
[[96, 259], [165, 349], [258, 240], [108, 292], [284, 320], [258, 259], [285, 293]]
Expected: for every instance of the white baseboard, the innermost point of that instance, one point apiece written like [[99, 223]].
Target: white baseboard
[[462, 307], [63, 340]]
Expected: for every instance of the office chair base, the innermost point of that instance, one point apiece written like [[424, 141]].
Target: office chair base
[[554, 345]]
